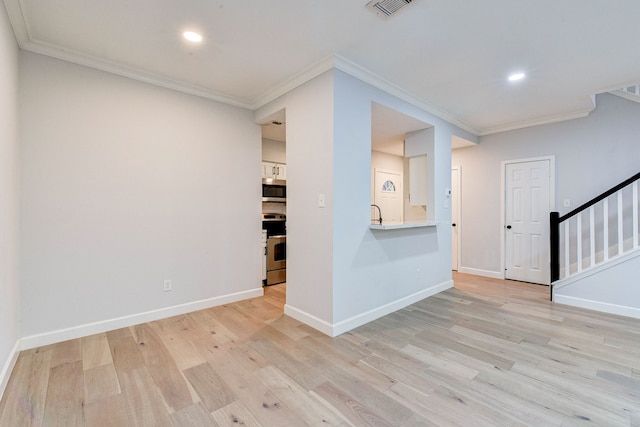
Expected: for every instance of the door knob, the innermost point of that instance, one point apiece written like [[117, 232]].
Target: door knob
[[508, 227], [453, 225]]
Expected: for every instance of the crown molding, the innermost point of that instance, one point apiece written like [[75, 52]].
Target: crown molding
[[310, 73], [18, 22], [381, 83], [626, 95], [131, 72], [26, 42], [578, 114]]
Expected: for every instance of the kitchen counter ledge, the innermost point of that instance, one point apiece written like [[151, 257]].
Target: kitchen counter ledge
[[401, 225]]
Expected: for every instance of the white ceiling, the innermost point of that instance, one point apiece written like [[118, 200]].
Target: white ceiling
[[451, 57]]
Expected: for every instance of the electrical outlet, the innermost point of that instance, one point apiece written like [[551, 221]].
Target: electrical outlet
[[167, 285], [418, 274]]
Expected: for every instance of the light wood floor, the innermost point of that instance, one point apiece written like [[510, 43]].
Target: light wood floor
[[487, 353]]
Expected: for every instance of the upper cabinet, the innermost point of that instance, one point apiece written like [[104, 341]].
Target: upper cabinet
[[274, 170]]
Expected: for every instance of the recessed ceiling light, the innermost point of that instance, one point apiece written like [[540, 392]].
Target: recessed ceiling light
[[516, 76], [192, 36]]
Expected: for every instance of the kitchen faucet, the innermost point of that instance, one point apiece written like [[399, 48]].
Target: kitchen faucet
[[379, 213]]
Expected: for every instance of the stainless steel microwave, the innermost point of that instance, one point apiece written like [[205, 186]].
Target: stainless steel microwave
[[274, 191]]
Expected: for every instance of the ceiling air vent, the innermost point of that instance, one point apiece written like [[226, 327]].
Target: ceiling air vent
[[387, 7]]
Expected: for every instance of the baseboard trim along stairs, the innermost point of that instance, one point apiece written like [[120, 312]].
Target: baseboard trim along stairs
[[609, 287]]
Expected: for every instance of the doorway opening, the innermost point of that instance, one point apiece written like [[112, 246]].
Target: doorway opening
[[274, 205]]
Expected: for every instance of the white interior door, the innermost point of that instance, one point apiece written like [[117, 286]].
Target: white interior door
[[527, 205], [455, 217], [388, 194]]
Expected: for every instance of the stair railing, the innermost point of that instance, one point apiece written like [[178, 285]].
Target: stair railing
[[604, 228]]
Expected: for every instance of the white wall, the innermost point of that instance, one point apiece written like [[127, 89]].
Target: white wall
[[592, 154], [124, 185], [339, 272], [274, 151], [374, 270], [9, 290], [309, 111], [613, 289]]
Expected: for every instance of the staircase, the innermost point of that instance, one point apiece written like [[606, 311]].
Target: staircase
[[595, 252]]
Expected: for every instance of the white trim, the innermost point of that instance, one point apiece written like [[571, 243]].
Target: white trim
[[503, 195], [604, 307], [135, 319], [346, 325], [604, 265], [347, 66], [309, 319], [8, 367], [625, 95], [299, 79], [132, 73], [479, 272], [335, 61], [572, 115], [458, 196]]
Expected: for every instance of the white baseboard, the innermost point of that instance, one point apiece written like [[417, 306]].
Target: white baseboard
[[479, 272], [346, 325], [135, 319], [8, 367], [620, 310], [309, 319]]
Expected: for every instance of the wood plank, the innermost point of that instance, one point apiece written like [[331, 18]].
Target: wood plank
[[212, 389], [439, 364], [124, 350], [235, 413], [66, 352], [163, 368], [100, 382], [195, 415], [95, 351], [64, 404], [349, 408], [144, 402], [110, 411], [27, 388], [310, 410], [174, 333]]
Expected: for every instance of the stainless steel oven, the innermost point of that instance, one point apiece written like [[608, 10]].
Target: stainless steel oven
[[276, 259], [275, 226]]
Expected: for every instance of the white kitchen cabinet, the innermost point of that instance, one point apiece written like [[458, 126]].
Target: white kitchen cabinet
[[274, 170]]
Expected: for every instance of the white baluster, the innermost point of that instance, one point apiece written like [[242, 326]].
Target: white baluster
[[635, 214], [592, 237], [579, 241], [605, 228], [567, 266], [620, 233]]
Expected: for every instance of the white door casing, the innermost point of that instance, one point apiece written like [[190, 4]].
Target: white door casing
[[527, 203], [455, 217], [388, 194]]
